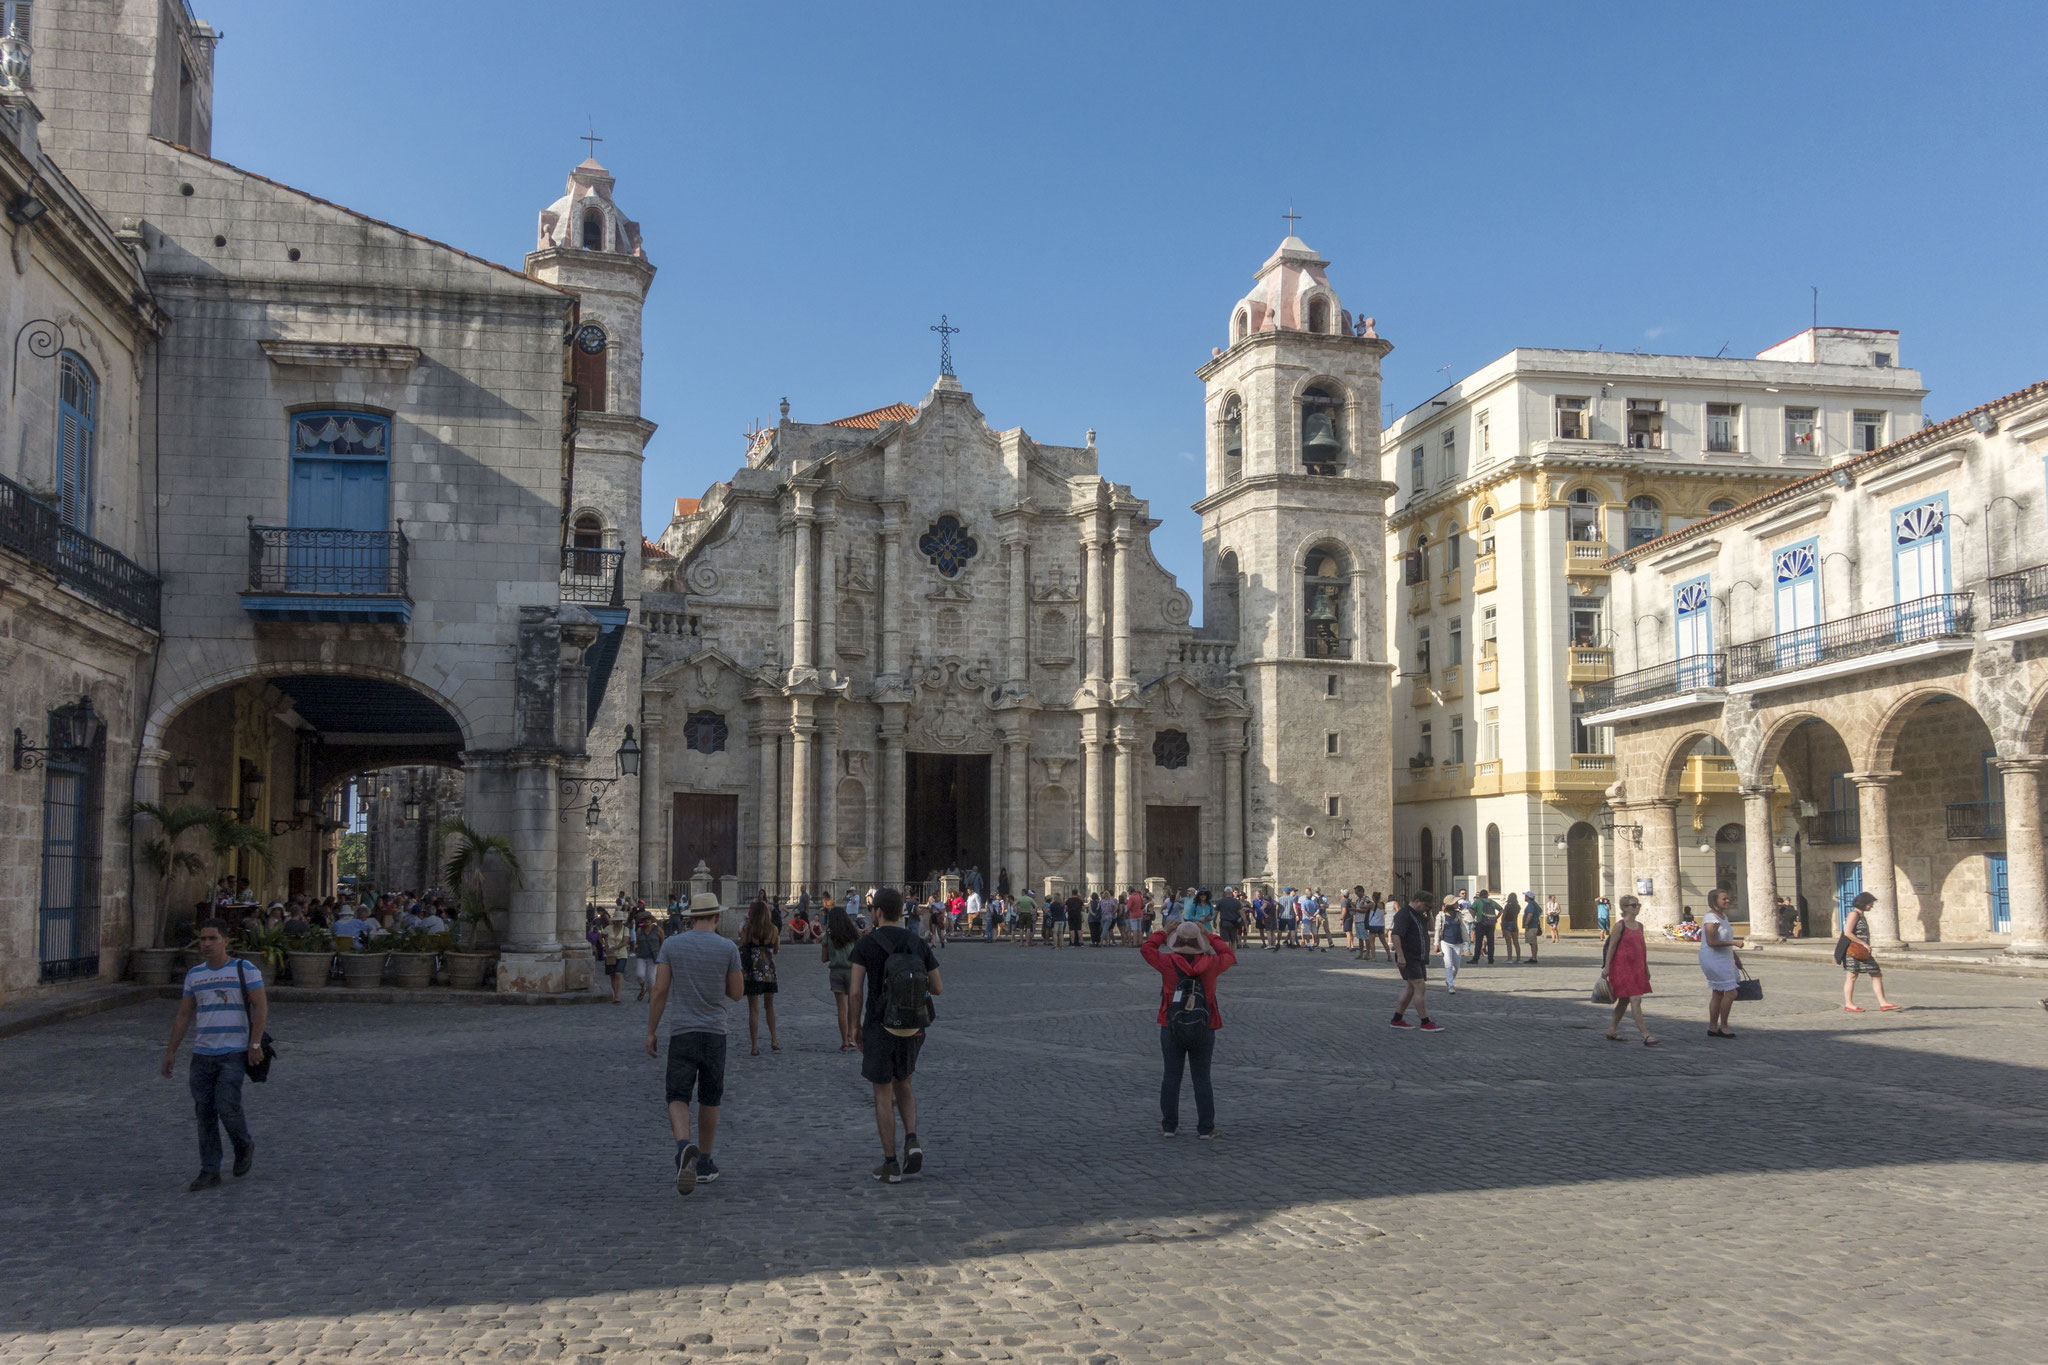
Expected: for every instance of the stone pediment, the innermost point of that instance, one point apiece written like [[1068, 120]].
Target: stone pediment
[[1056, 585], [701, 675], [1178, 694], [952, 707]]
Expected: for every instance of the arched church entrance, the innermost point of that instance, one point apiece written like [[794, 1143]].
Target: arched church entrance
[[946, 815], [1582, 875]]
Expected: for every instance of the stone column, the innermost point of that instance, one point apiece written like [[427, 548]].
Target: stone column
[[1125, 792], [1017, 669], [1120, 628], [1659, 859], [890, 780], [890, 589], [2026, 877], [515, 793], [1761, 861], [827, 860], [1880, 876], [828, 589], [1014, 831], [802, 793], [147, 908], [1233, 815], [1094, 871], [1091, 609], [654, 826], [801, 657], [756, 848], [572, 880], [768, 801]]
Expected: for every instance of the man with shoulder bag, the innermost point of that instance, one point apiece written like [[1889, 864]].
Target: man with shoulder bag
[[226, 998]]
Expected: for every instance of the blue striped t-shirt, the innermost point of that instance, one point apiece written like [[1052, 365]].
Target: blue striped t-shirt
[[223, 1023]]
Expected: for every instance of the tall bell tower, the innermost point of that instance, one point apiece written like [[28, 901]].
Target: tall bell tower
[[589, 247], [1294, 561]]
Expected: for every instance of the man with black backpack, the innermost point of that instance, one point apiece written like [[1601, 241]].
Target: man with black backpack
[[905, 976], [1188, 962]]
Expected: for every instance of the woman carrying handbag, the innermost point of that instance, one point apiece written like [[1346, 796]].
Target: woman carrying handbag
[[1625, 970], [1852, 950]]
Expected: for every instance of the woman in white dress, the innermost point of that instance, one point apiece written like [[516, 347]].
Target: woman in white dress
[[1719, 963]]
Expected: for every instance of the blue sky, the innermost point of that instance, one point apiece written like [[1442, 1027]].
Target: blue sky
[[1086, 189]]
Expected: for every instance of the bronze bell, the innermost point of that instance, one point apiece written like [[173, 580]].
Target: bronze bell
[[1319, 444], [1325, 606], [1233, 440]]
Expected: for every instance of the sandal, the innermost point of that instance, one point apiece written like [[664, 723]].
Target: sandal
[[1855, 1009], [1884, 1008], [1612, 1037], [1652, 1042]]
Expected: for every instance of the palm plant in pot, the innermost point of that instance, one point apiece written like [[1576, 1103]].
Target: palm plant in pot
[[166, 860], [471, 859], [311, 957]]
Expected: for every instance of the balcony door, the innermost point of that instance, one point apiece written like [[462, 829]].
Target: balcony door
[[1796, 570], [340, 503], [1920, 569], [1694, 606]]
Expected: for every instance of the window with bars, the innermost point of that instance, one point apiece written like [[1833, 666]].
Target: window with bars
[[68, 910]]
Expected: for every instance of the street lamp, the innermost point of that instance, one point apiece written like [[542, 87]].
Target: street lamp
[[590, 813], [188, 774], [628, 755]]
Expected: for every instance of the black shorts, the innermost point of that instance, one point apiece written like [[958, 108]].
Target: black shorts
[[1414, 971], [884, 1057], [696, 1061], [614, 967]]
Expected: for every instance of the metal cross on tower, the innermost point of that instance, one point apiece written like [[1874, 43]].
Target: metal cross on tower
[[1292, 218], [946, 335], [593, 139]]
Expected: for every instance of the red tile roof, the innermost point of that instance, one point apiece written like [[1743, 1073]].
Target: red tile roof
[[873, 418], [687, 507], [649, 550], [1785, 492]]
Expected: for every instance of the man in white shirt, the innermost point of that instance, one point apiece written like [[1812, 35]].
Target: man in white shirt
[[973, 908]]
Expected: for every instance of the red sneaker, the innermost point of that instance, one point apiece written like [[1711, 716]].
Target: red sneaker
[[1431, 1026], [1400, 1022]]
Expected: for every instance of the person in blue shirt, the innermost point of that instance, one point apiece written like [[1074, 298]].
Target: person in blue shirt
[[225, 997]]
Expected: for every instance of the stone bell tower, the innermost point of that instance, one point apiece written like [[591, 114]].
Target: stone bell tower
[[1294, 560], [589, 247]]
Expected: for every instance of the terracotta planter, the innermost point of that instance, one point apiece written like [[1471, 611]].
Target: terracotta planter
[[310, 969], [155, 966], [412, 971], [466, 970], [362, 971]]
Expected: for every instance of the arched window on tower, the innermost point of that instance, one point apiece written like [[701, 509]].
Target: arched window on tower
[[1319, 315], [1233, 440], [1645, 520], [1322, 439], [593, 230], [587, 534], [1325, 582], [1242, 328]]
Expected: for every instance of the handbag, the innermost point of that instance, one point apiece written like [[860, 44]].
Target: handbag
[[1603, 994], [1856, 948], [258, 1072], [1749, 988]]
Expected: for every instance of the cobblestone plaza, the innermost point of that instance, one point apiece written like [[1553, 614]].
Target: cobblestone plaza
[[492, 1183]]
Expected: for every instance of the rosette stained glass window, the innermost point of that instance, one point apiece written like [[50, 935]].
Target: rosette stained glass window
[[948, 546], [704, 731], [1170, 749]]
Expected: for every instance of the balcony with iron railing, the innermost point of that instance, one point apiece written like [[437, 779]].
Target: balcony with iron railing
[[593, 577], [1976, 819], [319, 573], [1935, 618], [99, 573], [1836, 825], [1695, 673], [2019, 596]]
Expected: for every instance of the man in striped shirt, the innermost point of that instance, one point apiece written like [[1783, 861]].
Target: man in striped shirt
[[229, 1031]]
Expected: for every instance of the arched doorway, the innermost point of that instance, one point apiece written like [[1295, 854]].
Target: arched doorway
[[1730, 871], [1582, 874]]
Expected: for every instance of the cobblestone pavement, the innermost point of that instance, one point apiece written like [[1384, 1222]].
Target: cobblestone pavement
[[493, 1184]]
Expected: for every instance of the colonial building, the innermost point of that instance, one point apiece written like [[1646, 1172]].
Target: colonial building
[[1516, 485], [1865, 645], [904, 642]]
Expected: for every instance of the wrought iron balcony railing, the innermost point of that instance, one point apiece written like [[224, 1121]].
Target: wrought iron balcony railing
[[33, 529], [1837, 825], [2019, 596], [593, 577], [1946, 615], [1694, 673], [314, 561], [1976, 819]]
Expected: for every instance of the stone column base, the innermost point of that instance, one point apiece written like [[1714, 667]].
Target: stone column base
[[536, 973], [578, 970]]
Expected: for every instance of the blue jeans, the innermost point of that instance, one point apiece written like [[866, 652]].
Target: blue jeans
[[1197, 1061], [217, 1101]]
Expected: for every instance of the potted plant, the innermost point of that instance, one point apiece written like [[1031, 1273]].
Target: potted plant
[[262, 947], [412, 958], [154, 963], [363, 967], [471, 854], [311, 957]]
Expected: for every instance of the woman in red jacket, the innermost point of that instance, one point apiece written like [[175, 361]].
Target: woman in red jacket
[[1188, 962]]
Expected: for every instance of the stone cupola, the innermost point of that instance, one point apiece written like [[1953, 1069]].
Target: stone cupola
[[1292, 294], [586, 219]]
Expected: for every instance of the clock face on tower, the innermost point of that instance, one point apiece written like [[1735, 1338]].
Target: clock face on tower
[[590, 338]]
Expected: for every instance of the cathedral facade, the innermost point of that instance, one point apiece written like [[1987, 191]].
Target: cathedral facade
[[905, 642]]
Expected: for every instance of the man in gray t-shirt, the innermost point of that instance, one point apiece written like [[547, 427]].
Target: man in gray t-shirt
[[696, 972]]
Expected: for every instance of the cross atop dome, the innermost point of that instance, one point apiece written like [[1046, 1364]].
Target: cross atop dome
[[585, 218]]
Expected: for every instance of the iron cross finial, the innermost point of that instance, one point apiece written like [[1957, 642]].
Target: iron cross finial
[[593, 139], [946, 334], [1292, 218]]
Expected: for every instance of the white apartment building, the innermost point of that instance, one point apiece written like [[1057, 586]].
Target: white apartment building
[[1516, 484]]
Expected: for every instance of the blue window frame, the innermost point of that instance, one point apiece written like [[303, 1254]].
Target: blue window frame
[[340, 483], [1795, 578], [2001, 899], [1693, 609], [78, 400], [1920, 568]]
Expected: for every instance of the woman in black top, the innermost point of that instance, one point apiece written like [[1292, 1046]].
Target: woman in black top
[[759, 941]]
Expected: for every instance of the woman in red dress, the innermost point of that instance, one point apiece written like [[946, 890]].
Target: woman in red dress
[[1626, 970]]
